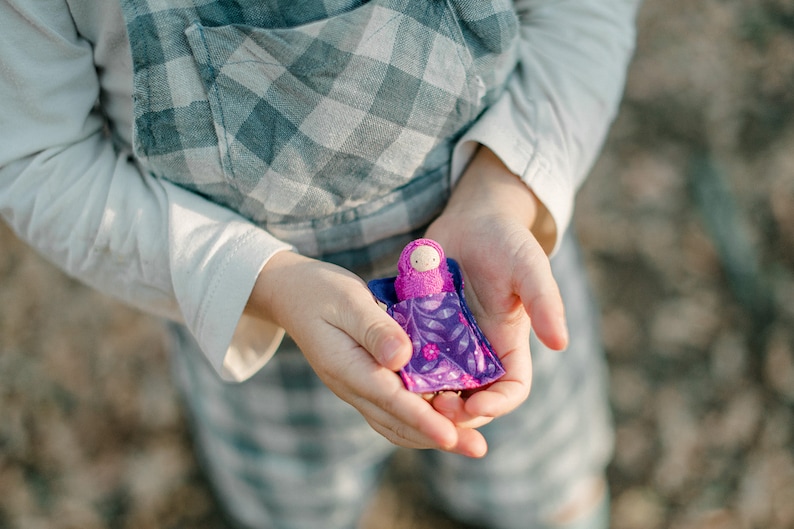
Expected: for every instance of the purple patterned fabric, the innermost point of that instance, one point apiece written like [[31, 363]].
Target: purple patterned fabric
[[450, 352]]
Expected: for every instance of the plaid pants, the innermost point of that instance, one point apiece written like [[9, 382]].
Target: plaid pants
[[284, 452]]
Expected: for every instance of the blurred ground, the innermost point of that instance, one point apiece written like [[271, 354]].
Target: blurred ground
[[688, 228]]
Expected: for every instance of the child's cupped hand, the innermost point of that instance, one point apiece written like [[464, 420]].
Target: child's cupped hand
[[500, 234], [355, 347]]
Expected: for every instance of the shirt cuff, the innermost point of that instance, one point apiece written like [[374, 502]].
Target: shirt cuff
[[216, 257], [524, 155], [254, 343], [238, 345]]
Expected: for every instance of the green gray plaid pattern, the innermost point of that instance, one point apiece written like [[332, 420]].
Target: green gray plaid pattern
[[307, 115], [331, 124]]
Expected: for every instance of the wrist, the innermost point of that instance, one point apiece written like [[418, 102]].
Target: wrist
[[487, 187], [544, 228], [272, 278]]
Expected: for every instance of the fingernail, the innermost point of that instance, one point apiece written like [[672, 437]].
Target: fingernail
[[390, 349]]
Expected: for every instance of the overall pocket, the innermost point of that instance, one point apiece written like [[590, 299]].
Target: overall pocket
[[324, 117]]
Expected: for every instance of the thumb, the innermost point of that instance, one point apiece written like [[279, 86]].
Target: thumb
[[541, 297], [379, 334]]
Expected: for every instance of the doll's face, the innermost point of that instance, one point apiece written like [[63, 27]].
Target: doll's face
[[425, 258]]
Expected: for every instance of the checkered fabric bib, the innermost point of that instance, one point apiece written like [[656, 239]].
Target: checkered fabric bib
[[330, 123]]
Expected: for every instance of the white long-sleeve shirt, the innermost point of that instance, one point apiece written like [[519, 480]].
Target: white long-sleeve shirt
[[71, 188]]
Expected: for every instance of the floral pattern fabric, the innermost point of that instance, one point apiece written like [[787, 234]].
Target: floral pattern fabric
[[450, 352]]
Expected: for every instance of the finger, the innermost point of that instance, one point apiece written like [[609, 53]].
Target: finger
[[452, 406], [535, 284], [507, 393], [405, 418], [470, 442]]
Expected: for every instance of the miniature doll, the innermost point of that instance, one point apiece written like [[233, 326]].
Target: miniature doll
[[450, 352]]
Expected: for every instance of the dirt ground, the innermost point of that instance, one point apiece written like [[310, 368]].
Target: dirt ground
[[687, 224]]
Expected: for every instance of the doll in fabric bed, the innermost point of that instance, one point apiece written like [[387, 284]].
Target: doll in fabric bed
[[450, 352]]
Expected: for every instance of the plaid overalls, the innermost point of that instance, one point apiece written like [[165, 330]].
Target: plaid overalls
[[331, 124]]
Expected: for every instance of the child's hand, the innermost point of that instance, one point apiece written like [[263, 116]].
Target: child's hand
[[354, 347], [492, 226]]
